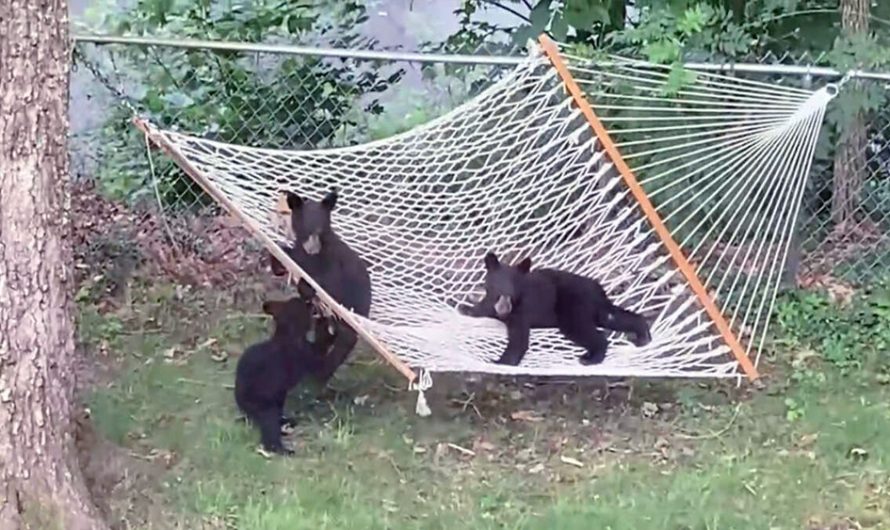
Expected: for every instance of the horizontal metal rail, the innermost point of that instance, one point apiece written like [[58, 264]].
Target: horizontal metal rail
[[815, 71], [303, 50]]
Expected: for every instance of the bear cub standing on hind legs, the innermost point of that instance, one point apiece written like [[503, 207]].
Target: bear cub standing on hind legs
[[269, 369], [548, 298], [337, 268]]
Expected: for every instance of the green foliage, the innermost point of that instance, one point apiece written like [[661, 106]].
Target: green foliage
[[409, 107], [265, 100], [581, 14], [665, 31], [672, 32], [793, 409], [666, 34], [862, 50], [859, 51], [845, 337], [858, 101]]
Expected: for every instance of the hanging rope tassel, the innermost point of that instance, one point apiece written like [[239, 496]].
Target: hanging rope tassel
[[422, 383]]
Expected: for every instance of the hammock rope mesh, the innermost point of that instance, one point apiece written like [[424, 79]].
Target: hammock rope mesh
[[681, 202]]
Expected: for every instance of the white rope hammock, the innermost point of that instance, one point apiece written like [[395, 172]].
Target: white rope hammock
[[521, 171]]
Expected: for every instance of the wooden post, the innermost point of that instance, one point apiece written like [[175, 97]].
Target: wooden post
[[633, 184]]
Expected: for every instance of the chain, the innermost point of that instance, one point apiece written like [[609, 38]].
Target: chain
[[130, 104], [116, 91]]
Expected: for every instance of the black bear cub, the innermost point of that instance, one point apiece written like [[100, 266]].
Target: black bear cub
[[339, 269], [269, 369], [548, 298]]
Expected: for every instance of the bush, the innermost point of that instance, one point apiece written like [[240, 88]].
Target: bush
[[255, 99], [846, 337]]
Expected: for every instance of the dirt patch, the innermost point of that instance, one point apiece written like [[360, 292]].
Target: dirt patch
[[114, 246], [111, 240], [122, 486]]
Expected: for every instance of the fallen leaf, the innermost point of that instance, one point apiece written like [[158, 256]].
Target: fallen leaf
[[526, 415], [858, 453], [441, 449], [571, 461], [482, 445], [649, 409], [807, 440], [460, 449], [802, 356], [361, 400], [206, 344], [537, 468], [841, 294]]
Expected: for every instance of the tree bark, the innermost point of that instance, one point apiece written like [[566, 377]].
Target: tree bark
[[617, 14], [850, 158], [41, 485]]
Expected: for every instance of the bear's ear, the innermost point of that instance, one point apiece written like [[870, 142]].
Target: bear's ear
[[270, 307], [491, 261], [330, 200], [524, 266], [294, 201]]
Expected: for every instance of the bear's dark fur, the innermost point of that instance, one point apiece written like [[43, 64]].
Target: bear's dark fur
[[548, 298], [339, 270], [269, 369]]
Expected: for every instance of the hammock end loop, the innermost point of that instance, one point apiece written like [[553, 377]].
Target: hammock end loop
[[534, 49], [423, 382]]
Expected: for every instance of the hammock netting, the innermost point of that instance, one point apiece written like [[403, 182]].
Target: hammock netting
[[519, 170]]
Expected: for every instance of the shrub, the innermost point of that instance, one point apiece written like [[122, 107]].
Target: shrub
[[268, 100]]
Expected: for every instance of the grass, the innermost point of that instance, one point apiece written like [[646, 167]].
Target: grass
[[808, 451]]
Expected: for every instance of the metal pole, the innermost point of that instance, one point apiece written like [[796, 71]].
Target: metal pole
[[446, 58], [785, 70], [303, 50]]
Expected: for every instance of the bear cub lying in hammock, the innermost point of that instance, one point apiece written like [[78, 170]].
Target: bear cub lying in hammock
[[548, 298], [269, 369]]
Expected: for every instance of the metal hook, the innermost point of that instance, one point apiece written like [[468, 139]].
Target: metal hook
[[808, 77]]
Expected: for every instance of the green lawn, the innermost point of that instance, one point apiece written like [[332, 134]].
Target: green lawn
[[809, 450]]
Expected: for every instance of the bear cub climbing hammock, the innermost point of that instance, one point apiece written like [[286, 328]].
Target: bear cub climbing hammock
[[679, 198]]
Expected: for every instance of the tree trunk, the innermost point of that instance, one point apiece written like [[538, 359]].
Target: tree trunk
[[617, 14], [850, 158], [41, 485]]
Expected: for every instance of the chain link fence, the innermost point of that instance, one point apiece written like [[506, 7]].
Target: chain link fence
[[255, 97], [851, 241], [300, 100]]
